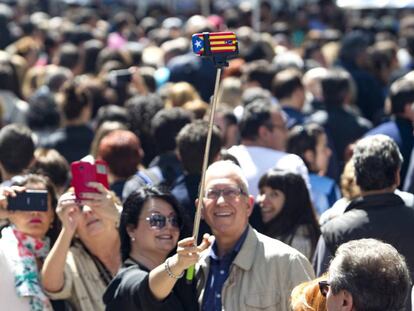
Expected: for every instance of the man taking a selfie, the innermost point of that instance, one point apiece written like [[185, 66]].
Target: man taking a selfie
[[243, 269]]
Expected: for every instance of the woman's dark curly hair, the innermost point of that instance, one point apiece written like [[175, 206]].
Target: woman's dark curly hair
[[132, 209]]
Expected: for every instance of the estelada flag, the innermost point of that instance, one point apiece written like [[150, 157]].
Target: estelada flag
[[205, 44]]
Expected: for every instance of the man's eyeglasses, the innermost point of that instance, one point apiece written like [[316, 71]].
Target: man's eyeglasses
[[227, 193], [158, 221], [324, 287]]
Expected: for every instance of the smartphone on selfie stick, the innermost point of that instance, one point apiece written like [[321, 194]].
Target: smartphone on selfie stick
[[219, 47]]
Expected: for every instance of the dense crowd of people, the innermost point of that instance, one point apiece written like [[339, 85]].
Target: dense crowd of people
[[309, 192]]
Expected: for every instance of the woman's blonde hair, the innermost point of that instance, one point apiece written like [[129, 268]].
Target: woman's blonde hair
[[307, 296], [197, 107], [181, 93]]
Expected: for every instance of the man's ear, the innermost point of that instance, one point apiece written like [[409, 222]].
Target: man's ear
[[347, 301], [262, 131], [251, 204], [397, 178]]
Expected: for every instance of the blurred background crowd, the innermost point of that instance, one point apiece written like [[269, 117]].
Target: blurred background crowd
[[118, 80]]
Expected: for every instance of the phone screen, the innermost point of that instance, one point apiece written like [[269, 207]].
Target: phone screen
[[29, 200]]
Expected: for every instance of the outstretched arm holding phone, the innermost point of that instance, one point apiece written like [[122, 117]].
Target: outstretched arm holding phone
[[93, 217], [53, 268]]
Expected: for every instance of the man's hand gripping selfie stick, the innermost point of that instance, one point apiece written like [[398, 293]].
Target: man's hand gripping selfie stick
[[219, 47]]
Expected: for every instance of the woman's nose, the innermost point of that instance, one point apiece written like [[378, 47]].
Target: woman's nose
[[86, 209], [260, 198]]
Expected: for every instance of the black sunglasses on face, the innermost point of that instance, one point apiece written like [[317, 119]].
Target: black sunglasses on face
[[159, 221], [324, 287]]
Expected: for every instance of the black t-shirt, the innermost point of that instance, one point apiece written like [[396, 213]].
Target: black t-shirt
[[129, 291]]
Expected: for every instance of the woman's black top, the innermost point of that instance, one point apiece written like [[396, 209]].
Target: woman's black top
[[129, 291]]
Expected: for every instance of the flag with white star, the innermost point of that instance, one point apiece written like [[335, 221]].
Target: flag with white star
[[219, 43], [198, 44]]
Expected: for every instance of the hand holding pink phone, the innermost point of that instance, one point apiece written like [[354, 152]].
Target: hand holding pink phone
[[84, 172]]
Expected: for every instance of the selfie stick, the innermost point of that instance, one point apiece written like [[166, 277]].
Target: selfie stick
[[220, 60]]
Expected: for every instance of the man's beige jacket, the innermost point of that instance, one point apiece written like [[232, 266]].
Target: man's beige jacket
[[262, 275]]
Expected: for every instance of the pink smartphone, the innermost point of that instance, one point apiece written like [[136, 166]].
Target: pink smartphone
[[85, 172]]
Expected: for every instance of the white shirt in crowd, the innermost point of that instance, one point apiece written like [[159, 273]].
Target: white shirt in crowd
[[256, 161]]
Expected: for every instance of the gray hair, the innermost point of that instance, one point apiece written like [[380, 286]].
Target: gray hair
[[376, 160], [374, 273]]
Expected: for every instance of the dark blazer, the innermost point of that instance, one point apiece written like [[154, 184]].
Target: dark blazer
[[385, 217]]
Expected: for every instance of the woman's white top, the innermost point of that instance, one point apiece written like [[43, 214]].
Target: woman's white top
[[9, 300]]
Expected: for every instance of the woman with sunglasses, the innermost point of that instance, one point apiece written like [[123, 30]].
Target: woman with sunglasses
[[84, 259], [150, 226], [24, 244]]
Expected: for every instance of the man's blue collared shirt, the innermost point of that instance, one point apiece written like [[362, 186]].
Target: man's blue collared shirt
[[218, 274]]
